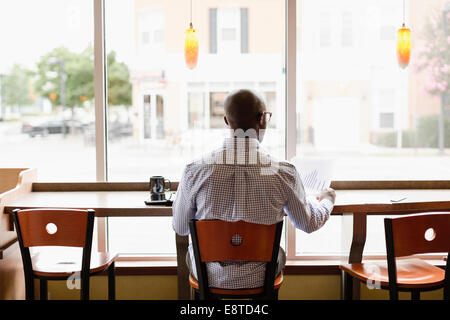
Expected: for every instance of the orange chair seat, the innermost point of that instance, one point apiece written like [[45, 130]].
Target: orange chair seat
[[45, 264], [411, 273], [277, 284]]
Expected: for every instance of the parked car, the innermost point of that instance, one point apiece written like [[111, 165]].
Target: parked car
[[116, 130], [52, 127]]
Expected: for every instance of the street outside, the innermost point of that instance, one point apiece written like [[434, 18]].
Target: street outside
[[71, 158]]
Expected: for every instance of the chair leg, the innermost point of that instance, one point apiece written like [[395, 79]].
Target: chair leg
[[447, 291], [393, 293], [415, 295], [29, 288], [85, 287], [111, 282], [348, 286], [275, 294], [43, 289]]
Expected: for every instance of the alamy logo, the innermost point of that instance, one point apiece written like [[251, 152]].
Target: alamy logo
[[243, 152], [74, 281], [372, 281]]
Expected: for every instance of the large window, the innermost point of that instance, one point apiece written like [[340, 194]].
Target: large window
[[165, 115], [359, 109], [355, 106], [46, 88], [162, 115]]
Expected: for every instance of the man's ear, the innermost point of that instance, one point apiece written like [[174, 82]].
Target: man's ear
[[262, 122], [226, 121]]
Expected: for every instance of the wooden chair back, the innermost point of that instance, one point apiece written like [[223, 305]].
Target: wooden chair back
[[415, 234], [252, 242], [419, 233], [217, 240], [53, 227]]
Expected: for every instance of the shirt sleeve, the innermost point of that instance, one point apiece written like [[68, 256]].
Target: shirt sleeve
[[183, 208], [306, 214]]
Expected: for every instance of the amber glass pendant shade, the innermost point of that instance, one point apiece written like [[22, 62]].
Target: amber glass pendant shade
[[191, 47], [403, 46]]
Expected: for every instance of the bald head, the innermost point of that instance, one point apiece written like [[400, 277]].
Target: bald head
[[243, 110]]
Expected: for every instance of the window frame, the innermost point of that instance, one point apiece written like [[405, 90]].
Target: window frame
[[100, 91]]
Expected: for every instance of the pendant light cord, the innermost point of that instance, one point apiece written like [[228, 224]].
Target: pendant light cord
[[403, 12], [191, 12]]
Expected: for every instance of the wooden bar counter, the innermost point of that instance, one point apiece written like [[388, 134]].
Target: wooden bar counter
[[117, 199]]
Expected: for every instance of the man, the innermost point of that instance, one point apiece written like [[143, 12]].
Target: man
[[241, 181]]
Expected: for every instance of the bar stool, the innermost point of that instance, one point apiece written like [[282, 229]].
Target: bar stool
[[60, 228], [405, 237], [212, 241]]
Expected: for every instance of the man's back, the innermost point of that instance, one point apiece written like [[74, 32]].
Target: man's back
[[240, 181]]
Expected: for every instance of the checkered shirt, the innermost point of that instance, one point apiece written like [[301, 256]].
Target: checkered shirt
[[241, 181]]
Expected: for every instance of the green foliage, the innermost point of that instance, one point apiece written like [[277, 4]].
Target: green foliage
[[119, 86], [428, 131], [16, 87], [79, 70], [389, 139], [426, 135]]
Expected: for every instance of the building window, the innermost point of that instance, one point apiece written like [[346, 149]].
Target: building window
[[145, 37], [196, 113], [386, 120], [147, 116], [153, 116], [347, 29], [213, 30], [151, 28], [228, 30], [216, 107], [325, 29], [244, 30]]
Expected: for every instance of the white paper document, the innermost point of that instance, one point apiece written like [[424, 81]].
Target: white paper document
[[315, 173]]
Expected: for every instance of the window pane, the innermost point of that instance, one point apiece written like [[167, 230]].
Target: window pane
[[228, 34], [387, 120], [196, 109], [325, 29], [46, 88], [357, 106], [326, 240], [161, 115], [137, 235], [347, 29], [216, 101]]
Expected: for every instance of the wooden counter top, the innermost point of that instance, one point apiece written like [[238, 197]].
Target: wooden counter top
[[105, 203], [131, 203]]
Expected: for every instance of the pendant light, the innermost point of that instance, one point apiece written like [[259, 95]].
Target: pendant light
[[191, 45], [403, 43]]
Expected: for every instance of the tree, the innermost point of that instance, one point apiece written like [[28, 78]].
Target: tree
[[434, 57], [78, 68], [16, 87], [119, 86], [79, 83]]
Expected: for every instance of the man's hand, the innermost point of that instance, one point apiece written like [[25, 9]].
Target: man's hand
[[327, 193]]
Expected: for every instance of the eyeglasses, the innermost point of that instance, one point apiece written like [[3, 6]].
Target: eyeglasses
[[266, 114]]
